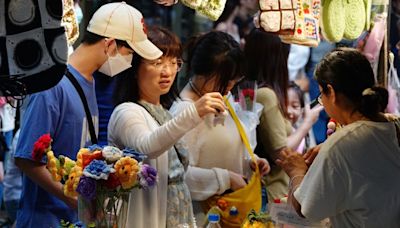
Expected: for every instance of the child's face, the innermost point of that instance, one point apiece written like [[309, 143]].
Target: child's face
[[294, 106]]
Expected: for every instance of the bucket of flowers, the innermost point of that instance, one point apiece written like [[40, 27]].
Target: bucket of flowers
[[101, 177]]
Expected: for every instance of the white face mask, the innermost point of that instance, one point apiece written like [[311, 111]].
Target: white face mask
[[116, 64]]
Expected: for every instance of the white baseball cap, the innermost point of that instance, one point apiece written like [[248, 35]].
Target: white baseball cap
[[123, 22]]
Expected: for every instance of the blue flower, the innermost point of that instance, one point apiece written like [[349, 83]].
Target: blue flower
[[94, 147], [134, 154], [98, 169]]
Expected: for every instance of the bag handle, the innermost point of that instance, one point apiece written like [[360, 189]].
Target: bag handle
[[241, 132], [78, 88]]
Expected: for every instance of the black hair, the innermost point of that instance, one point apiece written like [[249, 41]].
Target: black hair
[[90, 38], [230, 7], [126, 88], [215, 54], [349, 73], [298, 91], [266, 62]]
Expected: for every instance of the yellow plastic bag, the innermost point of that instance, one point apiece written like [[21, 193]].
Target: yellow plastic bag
[[245, 199]]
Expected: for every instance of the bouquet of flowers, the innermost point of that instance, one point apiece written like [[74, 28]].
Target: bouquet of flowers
[[101, 178], [247, 95]]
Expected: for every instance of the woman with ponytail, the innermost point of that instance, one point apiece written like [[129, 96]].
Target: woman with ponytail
[[349, 180]]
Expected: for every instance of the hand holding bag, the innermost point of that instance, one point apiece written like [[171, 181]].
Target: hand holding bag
[[244, 199]]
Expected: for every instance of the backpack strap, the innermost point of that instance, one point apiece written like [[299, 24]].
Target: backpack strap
[[79, 89]]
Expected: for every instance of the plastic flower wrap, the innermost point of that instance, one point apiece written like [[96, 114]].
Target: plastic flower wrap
[[101, 177], [247, 95]]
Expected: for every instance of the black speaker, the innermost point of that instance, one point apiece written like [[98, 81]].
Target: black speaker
[[33, 45]]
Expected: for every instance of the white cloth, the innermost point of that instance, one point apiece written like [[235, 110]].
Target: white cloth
[[132, 126], [7, 115], [354, 180], [213, 152], [297, 60]]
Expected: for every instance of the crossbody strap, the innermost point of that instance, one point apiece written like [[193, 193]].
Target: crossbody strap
[[160, 124], [241, 132], [89, 119]]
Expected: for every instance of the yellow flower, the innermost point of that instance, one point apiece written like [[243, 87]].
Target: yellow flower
[[257, 224], [126, 170], [53, 166], [79, 156], [66, 164], [246, 224], [72, 182]]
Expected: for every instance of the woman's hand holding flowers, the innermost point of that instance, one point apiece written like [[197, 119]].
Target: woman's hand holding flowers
[[210, 103]]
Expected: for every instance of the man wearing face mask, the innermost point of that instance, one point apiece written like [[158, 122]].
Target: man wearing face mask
[[115, 31]]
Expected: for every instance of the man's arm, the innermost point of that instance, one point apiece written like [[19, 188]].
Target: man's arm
[[38, 173]]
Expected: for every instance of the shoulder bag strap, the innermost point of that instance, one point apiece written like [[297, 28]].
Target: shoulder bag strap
[[160, 124], [241, 132], [79, 89]]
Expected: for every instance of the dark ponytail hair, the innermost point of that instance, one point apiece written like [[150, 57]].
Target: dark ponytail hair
[[373, 101], [266, 62], [349, 72], [214, 54]]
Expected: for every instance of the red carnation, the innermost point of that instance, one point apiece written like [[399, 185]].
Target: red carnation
[[41, 146], [112, 182], [248, 93]]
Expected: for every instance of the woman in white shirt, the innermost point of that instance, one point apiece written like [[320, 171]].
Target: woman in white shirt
[[349, 180], [218, 158], [141, 121]]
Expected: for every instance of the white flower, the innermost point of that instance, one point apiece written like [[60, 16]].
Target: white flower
[[111, 154]]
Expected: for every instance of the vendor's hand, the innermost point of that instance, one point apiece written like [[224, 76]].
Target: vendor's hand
[[166, 2], [292, 162], [310, 155], [237, 181], [71, 202], [210, 103], [263, 165]]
